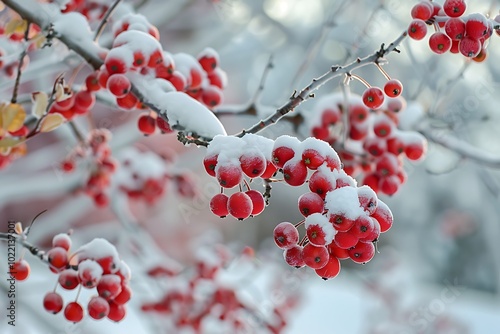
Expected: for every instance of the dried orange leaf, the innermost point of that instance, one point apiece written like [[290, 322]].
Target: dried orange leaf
[[18, 228], [15, 25], [51, 122], [40, 102], [12, 116]]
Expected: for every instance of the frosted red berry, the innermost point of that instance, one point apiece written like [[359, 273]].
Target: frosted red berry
[[393, 88], [439, 42], [53, 302], [417, 29], [20, 270], [373, 97], [73, 312], [285, 235], [240, 205], [218, 205], [454, 8], [315, 257], [119, 85], [98, 308]]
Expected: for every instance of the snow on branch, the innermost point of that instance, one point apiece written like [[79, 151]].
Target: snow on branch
[[462, 148], [72, 29]]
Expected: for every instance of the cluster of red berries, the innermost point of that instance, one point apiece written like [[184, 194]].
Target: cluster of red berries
[[375, 146], [148, 122], [96, 147], [202, 299], [229, 160], [93, 10], [97, 266], [342, 221], [455, 33], [143, 175], [74, 104]]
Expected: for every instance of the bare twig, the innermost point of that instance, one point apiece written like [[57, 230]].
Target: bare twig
[[306, 93], [105, 20], [20, 65]]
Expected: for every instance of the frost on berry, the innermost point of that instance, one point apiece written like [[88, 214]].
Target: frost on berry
[[89, 273], [319, 230], [286, 235]]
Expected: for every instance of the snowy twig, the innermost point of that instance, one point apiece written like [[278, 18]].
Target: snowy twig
[[463, 148], [307, 92]]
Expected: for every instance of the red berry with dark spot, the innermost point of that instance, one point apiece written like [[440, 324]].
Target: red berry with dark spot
[[240, 205], [393, 88], [53, 302], [286, 235], [373, 97], [73, 312], [315, 257], [218, 205]]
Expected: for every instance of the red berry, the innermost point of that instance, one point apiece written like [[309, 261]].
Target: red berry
[[155, 59], [124, 296], [373, 97], [109, 286], [209, 163], [367, 199], [146, 124], [208, 59], [84, 100], [362, 253], [119, 85], [286, 235], [373, 236], [315, 257], [89, 272], [178, 80], [127, 102], [358, 113], [218, 78], [258, 202], [454, 8], [73, 312], [116, 312], [336, 251], [163, 125], [62, 240], [417, 29], [422, 10], [382, 126], [330, 116], [330, 270], [477, 26], [310, 203], [312, 158], [320, 184], [20, 270], [295, 172], [53, 302], [229, 176], [363, 227], [293, 256], [101, 199], [253, 164], [393, 88], [218, 205], [240, 205], [389, 185], [439, 42], [211, 96], [92, 82], [340, 222], [345, 240], [98, 308], [281, 155], [68, 279], [270, 170], [68, 166], [455, 28], [384, 216], [58, 257], [139, 59], [115, 64]]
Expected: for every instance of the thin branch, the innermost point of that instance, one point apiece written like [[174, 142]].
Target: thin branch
[[306, 92], [32, 248], [346, 92], [20, 65], [461, 147], [181, 137], [105, 20], [263, 78]]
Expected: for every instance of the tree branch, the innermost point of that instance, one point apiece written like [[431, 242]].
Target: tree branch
[[307, 92], [463, 148]]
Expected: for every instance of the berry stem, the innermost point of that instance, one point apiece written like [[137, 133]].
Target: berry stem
[[246, 184], [346, 92], [360, 79], [300, 223], [381, 69], [304, 241]]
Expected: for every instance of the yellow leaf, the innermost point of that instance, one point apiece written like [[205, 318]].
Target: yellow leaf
[[15, 25], [40, 102], [12, 116], [38, 40], [8, 142], [51, 122]]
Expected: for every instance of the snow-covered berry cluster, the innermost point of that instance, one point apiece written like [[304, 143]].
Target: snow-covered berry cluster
[[455, 32], [95, 151], [210, 298], [374, 147], [94, 265], [76, 103], [230, 160], [342, 221]]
